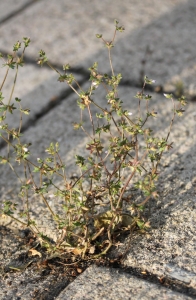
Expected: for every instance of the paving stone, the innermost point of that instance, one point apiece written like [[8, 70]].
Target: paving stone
[[66, 31], [9, 7], [34, 281], [39, 91], [162, 50], [170, 61], [106, 283], [29, 79], [67, 34]]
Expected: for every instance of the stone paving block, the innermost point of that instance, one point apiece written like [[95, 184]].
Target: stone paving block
[[38, 90], [28, 79], [106, 283], [170, 247], [162, 50], [9, 7], [168, 250], [67, 33], [31, 283]]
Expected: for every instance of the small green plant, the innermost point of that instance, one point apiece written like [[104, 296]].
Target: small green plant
[[122, 153]]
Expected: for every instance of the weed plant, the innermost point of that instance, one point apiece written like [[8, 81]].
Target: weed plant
[[122, 152]]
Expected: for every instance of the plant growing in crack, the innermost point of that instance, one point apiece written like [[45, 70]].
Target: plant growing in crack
[[122, 159]]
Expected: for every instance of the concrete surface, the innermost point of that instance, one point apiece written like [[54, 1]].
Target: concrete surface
[[116, 285], [66, 31], [9, 8]]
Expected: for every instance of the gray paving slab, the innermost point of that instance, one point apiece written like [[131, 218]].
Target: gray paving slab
[[31, 283], [10, 7], [106, 283], [39, 91], [170, 248], [163, 50], [67, 34], [29, 79]]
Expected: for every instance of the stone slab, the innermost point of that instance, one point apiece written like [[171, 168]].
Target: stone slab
[[10, 7], [107, 284], [67, 34], [162, 50], [28, 79], [33, 282], [39, 91]]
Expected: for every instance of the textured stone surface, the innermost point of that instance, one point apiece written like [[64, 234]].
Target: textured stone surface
[[66, 31], [158, 40], [47, 92], [11, 7], [106, 284], [163, 50], [28, 79], [23, 276]]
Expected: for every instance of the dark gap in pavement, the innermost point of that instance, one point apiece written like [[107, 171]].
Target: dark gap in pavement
[[164, 281], [85, 73]]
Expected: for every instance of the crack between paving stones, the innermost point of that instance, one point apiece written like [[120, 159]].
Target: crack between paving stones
[[169, 284], [164, 281], [86, 74], [173, 285]]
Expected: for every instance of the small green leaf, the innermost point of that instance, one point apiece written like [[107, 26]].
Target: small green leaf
[[168, 96], [99, 36], [149, 81], [25, 111], [26, 41], [17, 99], [17, 46]]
